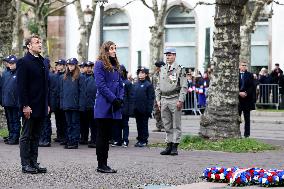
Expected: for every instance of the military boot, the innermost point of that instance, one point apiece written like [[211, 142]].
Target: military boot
[[168, 150], [174, 151]]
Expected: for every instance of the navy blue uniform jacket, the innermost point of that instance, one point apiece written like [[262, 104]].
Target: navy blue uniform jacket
[[32, 84], [144, 96], [91, 91], [9, 90], [73, 93]]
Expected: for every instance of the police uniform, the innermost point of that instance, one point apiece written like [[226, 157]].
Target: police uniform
[[171, 88]]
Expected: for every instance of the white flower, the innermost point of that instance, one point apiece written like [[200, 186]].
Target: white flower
[[213, 176], [222, 176], [231, 181], [276, 178], [264, 180]]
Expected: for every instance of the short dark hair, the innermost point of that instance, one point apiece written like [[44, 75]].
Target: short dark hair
[[276, 64], [29, 39]]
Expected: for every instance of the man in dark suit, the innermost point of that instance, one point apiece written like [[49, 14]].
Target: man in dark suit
[[32, 85], [246, 95]]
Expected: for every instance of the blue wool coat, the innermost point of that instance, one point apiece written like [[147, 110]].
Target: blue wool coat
[[53, 91], [110, 87], [32, 84], [73, 94], [9, 90], [91, 91]]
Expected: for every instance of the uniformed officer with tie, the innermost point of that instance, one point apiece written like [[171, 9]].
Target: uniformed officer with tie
[[170, 94]]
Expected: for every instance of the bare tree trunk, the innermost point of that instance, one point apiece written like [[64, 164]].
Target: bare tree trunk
[[248, 27], [221, 119], [18, 33], [7, 19], [157, 31], [85, 31]]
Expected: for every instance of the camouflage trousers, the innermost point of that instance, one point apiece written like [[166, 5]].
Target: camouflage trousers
[[158, 117], [171, 118]]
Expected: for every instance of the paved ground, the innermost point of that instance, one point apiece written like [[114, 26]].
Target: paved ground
[[139, 167]]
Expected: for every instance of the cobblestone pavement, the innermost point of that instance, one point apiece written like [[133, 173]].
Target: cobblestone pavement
[[136, 166]]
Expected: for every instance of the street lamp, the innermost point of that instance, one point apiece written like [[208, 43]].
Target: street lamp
[[101, 2], [88, 14]]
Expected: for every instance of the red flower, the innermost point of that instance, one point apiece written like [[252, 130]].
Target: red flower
[[238, 180], [209, 175], [217, 177], [222, 170], [269, 178]]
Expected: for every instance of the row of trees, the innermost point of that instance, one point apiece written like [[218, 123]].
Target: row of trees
[[220, 119]]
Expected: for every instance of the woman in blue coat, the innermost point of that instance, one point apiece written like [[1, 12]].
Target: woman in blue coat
[[143, 101], [72, 99], [108, 102]]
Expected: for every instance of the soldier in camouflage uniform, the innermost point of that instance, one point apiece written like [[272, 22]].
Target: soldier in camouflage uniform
[[157, 111], [170, 95]]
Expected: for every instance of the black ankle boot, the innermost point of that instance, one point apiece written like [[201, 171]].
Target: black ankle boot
[[174, 151], [168, 150]]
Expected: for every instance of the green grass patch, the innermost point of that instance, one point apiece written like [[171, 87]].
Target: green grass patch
[[3, 132], [225, 145]]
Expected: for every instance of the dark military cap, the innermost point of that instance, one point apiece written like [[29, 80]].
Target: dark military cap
[[61, 61], [143, 69], [159, 64], [72, 61]]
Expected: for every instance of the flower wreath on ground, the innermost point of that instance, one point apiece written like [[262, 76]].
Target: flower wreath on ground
[[244, 176]]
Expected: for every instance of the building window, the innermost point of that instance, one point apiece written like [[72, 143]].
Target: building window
[[260, 45], [116, 29], [180, 32]]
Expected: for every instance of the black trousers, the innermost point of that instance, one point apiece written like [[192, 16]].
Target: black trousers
[[61, 125], [84, 127], [103, 136], [247, 121], [29, 140]]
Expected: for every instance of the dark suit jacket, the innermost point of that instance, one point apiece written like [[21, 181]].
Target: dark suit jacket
[[32, 84], [247, 85]]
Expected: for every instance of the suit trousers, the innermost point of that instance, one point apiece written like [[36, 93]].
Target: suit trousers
[[29, 140], [247, 121], [104, 126]]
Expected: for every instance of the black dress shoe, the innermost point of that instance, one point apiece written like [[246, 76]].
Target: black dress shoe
[[92, 145], [44, 144], [63, 143], [105, 169], [29, 169], [12, 142], [71, 146], [39, 169]]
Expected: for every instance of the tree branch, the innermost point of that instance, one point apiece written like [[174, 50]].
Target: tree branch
[[278, 3], [144, 3], [41, 5], [29, 3], [59, 8]]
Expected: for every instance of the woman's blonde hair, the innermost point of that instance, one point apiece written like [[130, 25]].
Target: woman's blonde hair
[[104, 56], [75, 74]]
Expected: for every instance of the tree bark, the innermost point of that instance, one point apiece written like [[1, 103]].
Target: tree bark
[[7, 19], [18, 33], [220, 119]]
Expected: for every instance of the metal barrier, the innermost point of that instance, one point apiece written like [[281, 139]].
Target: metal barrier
[[190, 103], [268, 94]]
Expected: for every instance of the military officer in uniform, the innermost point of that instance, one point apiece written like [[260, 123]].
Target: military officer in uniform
[[157, 111], [170, 95]]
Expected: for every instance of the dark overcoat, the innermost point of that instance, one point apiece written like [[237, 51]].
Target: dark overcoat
[[32, 84], [9, 90], [247, 85]]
